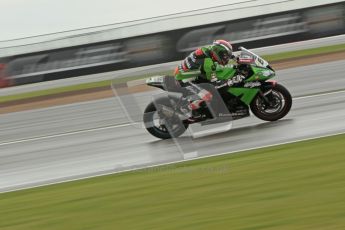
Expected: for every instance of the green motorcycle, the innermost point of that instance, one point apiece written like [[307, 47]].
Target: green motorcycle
[[267, 99]]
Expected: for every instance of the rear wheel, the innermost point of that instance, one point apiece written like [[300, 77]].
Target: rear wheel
[[273, 105], [161, 125]]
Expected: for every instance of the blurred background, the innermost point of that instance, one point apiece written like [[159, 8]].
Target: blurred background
[[60, 120], [66, 46]]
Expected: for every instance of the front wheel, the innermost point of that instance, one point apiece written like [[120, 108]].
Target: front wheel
[[273, 104], [160, 125]]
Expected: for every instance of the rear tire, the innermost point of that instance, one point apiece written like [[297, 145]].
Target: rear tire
[[280, 104], [177, 126]]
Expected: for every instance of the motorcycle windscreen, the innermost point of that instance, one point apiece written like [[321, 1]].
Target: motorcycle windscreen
[[248, 57]]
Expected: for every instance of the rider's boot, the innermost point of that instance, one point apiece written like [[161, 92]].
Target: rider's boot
[[189, 109]]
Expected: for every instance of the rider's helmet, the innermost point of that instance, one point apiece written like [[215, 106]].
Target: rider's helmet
[[221, 51]]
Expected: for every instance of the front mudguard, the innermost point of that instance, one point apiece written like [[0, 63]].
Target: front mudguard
[[269, 84]]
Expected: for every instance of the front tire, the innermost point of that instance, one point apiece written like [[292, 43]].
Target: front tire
[[277, 104], [156, 124]]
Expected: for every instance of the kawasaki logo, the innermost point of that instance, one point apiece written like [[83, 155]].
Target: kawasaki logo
[[252, 84]]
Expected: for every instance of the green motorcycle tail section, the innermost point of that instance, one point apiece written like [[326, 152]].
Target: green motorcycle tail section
[[186, 75], [245, 94]]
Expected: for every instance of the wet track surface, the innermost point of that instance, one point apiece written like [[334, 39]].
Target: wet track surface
[[91, 138]]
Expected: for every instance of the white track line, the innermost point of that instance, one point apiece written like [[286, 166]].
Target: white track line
[[168, 163], [65, 134], [319, 94]]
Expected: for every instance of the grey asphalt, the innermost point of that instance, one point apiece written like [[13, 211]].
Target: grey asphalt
[[74, 141]]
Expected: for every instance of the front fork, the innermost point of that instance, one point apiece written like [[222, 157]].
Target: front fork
[[266, 89]]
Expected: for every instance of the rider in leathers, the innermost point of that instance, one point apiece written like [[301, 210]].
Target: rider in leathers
[[220, 52]]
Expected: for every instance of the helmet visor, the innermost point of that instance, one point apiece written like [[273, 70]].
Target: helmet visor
[[225, 57]]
